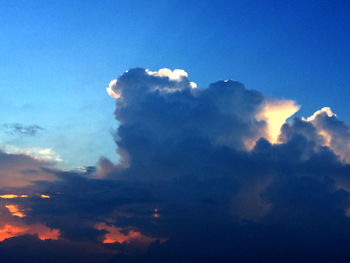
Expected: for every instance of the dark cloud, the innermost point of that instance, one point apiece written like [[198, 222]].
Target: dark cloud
[[18, 170], [156, 108], [189, 189], [22, 130], [29, 248]]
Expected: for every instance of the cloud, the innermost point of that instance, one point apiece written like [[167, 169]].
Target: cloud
[[213, 174], [336, 133], [122, 236], [110, 89], [19, 170], [29, 248], [324, 129], [224, 113], [11, 196], [13, 224], [40, 154], [15, 211], [43, 232], [275, 113], [22, 130], [325, 110], [225, 154]]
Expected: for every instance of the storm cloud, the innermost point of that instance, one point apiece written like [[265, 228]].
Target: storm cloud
[[205, 175]]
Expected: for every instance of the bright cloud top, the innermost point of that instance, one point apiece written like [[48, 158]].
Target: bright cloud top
[[275, 113], [324, 110], [175, 75], [111, 89], [169, 81]]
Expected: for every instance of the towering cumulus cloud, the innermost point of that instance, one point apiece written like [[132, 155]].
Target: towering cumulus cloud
[[164, 107], [217, 174], [229, 172]]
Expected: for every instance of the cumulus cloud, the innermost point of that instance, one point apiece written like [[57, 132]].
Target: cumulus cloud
[[336, 133], [224, 113], [229, 149], [215, 174]]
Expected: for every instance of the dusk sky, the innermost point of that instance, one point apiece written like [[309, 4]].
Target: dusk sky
[[174, 131]]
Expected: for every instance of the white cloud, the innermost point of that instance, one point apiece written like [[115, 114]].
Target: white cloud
[[40, 154], [114, 93], [336, 133], [326, 110], [175, 75]]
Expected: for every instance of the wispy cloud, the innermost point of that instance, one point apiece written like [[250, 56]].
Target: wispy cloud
[[21, 130]]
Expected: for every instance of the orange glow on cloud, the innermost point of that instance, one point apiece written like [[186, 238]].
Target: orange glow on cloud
[[15, 211], [275, 113], [156, 215], [44, 232], [111, 91], [12, 223], [11, 196], [327, 137], [13, 230], [12, 227], [114, 234], [9, 231]]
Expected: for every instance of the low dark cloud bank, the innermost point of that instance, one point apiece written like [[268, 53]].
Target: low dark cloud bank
[[198, 181]]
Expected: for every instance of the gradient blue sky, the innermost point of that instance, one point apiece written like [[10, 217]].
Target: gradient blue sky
[[57, 58]]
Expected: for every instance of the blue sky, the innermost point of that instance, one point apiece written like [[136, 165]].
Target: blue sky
[[57, 58]]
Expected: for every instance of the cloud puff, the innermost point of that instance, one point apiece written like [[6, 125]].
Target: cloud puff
[[336, 133], [324, 129]]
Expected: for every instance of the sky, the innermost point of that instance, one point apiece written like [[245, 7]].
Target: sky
[[174, 131], [58, 57]]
